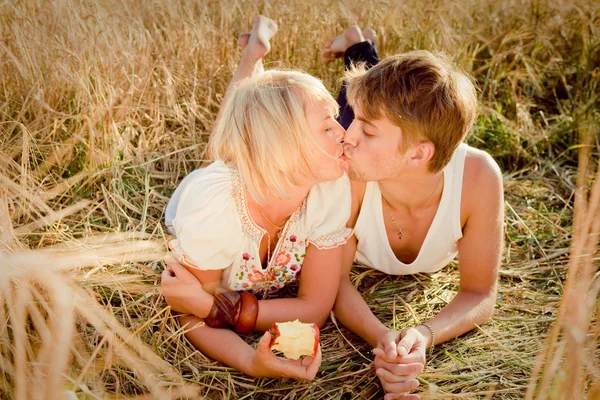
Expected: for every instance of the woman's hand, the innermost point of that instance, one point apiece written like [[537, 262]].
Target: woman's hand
[[183, 291], [266, 364]]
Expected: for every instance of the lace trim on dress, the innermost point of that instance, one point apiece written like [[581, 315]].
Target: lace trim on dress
[[179, 254], [249, 226], [332, 240]]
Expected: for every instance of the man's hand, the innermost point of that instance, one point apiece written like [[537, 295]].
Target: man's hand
[[266, 364], [399, 359], [183, 291]]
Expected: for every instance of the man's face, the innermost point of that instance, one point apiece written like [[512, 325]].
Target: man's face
[[372, 149]]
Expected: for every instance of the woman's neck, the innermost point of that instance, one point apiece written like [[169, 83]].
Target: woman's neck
[[278, 210]]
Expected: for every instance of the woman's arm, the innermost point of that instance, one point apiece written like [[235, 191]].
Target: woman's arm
[[318, 287], [210, 279], [228, 348], [183, 292]]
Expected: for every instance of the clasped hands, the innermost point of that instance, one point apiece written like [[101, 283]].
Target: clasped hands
[[399, 359]]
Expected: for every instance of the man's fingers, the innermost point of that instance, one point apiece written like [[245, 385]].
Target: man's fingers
[[407, 373], [412, 358], [390, 356], [405, 345], [399, 369], [400, 387], [401, 396], [389, 346]]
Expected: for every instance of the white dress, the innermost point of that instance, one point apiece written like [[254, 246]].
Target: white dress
[[441, 242], [209, 215]]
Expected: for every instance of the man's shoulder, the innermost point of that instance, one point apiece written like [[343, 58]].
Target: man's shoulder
[[480, 167], [482, 182]]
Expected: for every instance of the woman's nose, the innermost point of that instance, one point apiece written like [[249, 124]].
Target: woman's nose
[[340, 134]]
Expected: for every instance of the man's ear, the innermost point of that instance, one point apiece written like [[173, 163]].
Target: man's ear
[[421, 153]]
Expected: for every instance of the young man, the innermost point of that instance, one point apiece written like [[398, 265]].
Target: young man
[[420, 197]]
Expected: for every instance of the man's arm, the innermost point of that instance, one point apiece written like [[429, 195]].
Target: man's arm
[[350, 307], [479, 251]]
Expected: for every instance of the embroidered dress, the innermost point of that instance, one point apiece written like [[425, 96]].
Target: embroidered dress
[[209, 215]]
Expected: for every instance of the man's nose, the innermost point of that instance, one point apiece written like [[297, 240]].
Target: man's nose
[[350, 136]]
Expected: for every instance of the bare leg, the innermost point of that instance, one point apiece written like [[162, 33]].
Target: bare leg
[[336, 46], [255, 45]]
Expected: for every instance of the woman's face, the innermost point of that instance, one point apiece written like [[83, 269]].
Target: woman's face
[[329, 134]]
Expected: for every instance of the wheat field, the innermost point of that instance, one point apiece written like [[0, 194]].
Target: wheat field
[[106, 105]]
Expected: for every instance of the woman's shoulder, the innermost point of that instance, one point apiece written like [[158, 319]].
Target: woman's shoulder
[[331, 189], [207, 190], [211, 183], [327, 212]]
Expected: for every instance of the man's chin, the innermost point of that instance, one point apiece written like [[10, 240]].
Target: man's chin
[[355, 175]]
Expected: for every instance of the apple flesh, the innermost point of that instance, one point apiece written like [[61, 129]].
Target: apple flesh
[[295, 339]]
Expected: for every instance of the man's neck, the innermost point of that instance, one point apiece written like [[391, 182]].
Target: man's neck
[[417, 190]]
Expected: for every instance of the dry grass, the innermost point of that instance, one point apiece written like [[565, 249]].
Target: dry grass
[[106, 105]]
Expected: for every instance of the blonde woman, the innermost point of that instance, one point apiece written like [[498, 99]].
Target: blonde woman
[[274, 203]]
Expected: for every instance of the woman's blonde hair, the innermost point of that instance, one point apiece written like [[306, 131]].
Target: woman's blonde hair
[[264, 133]]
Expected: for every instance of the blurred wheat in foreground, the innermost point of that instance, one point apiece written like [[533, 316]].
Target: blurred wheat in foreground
[[106, 105], [568, 370]]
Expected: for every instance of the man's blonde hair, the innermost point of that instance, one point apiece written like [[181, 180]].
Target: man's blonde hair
[[264, 133], [424, 94]]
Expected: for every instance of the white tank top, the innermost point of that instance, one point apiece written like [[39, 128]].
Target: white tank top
[[440, 244]]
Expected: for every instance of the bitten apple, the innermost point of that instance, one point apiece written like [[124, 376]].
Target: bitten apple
[[295, 339]]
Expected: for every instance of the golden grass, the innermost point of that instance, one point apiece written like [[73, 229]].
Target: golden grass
[[106, 105]]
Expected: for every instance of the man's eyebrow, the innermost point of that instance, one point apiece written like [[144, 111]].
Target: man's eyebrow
[[362, 119]]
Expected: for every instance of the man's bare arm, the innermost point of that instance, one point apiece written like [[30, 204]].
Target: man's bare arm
[[479, 251], [350, 307]]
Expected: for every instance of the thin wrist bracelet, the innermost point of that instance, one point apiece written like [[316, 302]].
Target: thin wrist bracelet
[[432, 333]]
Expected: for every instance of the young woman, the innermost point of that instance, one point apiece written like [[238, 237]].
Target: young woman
[[274, 203]]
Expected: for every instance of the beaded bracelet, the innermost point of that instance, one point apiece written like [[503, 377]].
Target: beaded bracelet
[[432, 333]]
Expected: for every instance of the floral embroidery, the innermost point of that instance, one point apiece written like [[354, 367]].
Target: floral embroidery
[[293, 239], [282, 259], [286, 263], [284, 267]]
